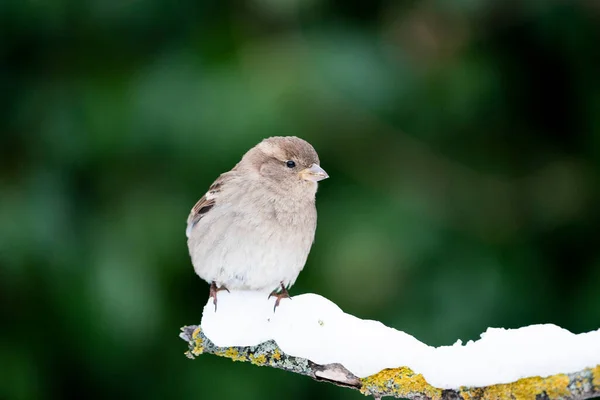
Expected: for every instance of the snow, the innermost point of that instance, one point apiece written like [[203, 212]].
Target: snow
[[312, 327]]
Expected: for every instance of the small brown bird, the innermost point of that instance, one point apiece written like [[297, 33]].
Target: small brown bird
[[255, 226]]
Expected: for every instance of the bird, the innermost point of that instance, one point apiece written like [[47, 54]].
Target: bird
[[254, 227]]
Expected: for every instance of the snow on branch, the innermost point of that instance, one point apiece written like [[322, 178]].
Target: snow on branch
[[310, 335]]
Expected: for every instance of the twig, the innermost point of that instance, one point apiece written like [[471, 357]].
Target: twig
[[400, 382]]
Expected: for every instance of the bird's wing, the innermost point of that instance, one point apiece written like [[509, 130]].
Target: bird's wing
[[204, 205]]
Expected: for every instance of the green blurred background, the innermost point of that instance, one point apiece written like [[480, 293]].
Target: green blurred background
[[462, 139]]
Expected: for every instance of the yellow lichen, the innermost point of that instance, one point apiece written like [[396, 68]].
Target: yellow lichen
[[277, 355], [258, 360], [469, 394], [596, 376], [554, 387], [231, 353], [198, 343], [401, 381]]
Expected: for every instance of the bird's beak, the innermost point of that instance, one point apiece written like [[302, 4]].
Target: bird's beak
[[313, 173]]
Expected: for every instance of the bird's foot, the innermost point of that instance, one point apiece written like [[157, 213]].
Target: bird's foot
[[213, 292], [282, 294]]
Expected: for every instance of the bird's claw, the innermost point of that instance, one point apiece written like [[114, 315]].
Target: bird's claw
[[213, 292], [283, 294]]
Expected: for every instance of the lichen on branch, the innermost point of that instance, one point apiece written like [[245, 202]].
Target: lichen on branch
[[400, 382]]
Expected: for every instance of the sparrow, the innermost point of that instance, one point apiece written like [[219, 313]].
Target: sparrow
[[254, 228]]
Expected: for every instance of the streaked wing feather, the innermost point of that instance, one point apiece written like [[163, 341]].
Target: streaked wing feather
[[205, 204]]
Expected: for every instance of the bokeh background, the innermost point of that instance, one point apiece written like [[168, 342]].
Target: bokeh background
[[462, 139]]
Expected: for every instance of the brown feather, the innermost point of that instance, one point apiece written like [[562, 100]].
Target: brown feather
[[205, 203]]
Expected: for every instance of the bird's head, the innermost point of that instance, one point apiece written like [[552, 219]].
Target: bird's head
[[286, 163]]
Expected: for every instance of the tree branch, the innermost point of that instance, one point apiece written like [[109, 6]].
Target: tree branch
[[400, 382]]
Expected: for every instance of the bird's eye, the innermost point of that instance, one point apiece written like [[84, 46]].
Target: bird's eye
[[290, 164]]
